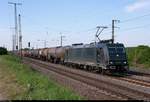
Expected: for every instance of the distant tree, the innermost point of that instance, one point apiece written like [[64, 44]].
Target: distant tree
[[26, 49], [3, 51]]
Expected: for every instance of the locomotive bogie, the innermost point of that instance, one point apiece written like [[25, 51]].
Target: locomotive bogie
[[44, 54]]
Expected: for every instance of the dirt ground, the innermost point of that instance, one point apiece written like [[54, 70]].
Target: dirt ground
[[2, 97]]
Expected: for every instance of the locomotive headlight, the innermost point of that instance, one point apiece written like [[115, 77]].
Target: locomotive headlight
[[111, 62], [125, 62]]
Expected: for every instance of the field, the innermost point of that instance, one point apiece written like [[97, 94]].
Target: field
[[139, 56], [20, 82]]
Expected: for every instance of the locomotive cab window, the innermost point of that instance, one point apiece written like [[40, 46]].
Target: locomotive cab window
[[120, 50], [116, 50], [112, 49]]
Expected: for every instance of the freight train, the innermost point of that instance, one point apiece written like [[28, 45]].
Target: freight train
[[103, 56]]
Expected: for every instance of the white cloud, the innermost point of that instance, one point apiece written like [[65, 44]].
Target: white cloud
[[138, 5]]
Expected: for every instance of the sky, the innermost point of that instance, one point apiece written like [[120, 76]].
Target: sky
[[76, 20]]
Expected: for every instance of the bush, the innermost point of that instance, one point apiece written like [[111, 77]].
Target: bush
[[3, 51]]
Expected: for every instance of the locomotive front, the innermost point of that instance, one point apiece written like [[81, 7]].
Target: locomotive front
[[117, 59]]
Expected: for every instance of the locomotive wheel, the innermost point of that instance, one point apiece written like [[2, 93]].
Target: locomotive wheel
[[72, 65], [88, 68], [99, 70], [81, 67], [54, 60], [102, 71]]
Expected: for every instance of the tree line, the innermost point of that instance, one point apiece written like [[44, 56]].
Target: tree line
[[139, 56], [3, 51]]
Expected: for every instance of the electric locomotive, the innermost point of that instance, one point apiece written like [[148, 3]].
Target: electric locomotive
[[104, 56]]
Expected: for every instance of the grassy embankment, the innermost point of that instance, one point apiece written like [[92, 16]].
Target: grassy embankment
[[18, 81], [139, 56]]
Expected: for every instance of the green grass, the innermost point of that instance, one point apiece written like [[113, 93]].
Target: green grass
[[36, 86]]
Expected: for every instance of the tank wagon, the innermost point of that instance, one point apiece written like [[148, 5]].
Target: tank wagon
[[35, 53], [43, 54], [56, 54]]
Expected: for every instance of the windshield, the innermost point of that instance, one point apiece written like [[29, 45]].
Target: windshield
[[112, 49], [120, 50], [116, 50]]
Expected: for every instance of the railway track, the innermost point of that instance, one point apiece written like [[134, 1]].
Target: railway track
[[140, 78], [109, 86], [79, 78], [136, 81]]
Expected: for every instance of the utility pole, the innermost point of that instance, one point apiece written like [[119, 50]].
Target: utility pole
[[61, 39], [36, 46], [99, 32], [12, 43], [113, 29], [20, 36], [16, 26], [13, 39]]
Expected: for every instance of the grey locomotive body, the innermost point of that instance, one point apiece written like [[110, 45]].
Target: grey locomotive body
[[101, 56]]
